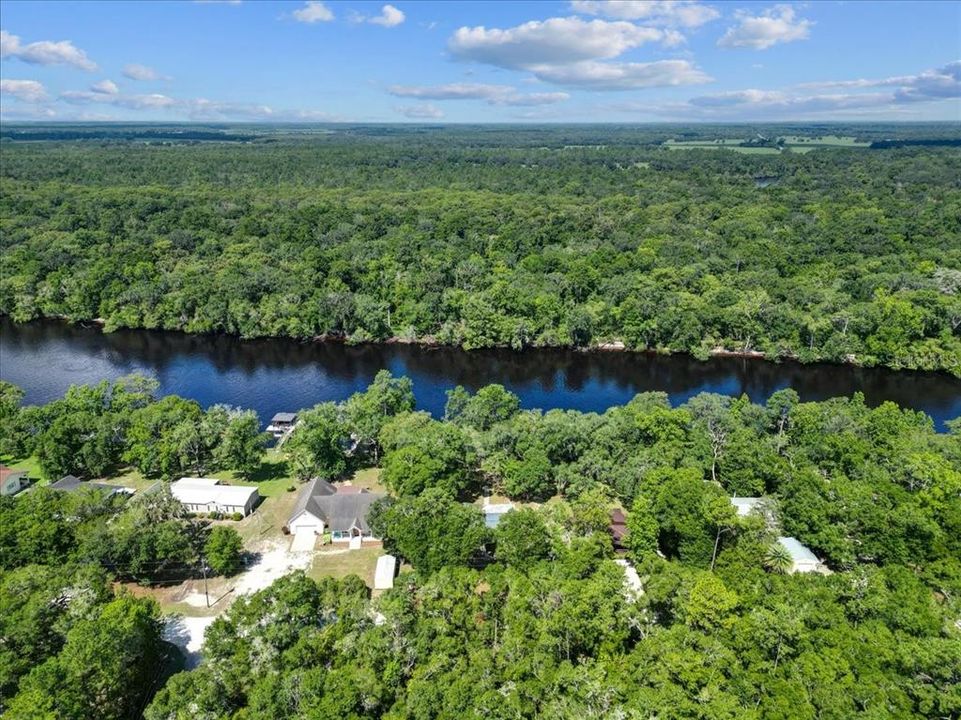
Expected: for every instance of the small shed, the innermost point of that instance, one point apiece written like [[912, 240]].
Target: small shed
[[384, 572]]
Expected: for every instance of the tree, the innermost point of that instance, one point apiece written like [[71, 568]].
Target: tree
[[432, 531], [710, 605], [438, 455], [242, 445], [522, 538], [109, 667], [777, 559], [642, 529], [490, 405], [154, 436], [316, 447], [712, 415], [224, 550], [368, 412], [530, 476], [12, 441]]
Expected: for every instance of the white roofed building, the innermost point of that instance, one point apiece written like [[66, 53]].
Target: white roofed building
[[802, 559], [200, 495], [745, 505]]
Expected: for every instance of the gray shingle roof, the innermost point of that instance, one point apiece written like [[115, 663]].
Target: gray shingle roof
[[70, 483], [339, 511], [284, 417]]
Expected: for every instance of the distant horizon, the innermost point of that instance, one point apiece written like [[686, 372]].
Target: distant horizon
[[468, 123]]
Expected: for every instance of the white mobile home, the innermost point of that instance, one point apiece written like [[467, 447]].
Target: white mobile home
[[204, 495]]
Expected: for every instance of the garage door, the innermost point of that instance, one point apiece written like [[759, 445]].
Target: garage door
[[303, 541]]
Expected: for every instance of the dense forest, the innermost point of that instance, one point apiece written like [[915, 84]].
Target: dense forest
[[532, 618], [495, 236]]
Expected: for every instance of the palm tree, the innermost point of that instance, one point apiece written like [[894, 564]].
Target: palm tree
[[777, 559]]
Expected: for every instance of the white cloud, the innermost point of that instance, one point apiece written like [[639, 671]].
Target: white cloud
[[886, 97], [671, 13], [623, 76], [551, 41], [492, 94], [759, 32], [533, 99], [389, 17], [105, 87], [425, 111], [940, 83], [191, 108], [29, 91], [45, 52], [313, 11], [451, 91], [27, 112], [152, 101], [135, 71], [569, 51]]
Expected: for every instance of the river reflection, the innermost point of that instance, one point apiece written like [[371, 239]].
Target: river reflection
[[45, 357]]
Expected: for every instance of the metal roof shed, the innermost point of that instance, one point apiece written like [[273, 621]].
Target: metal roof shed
[[384, 573]]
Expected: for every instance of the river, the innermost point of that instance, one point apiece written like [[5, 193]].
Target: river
[[45, 357]]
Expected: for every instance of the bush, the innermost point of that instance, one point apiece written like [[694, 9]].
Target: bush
[[237, 516]]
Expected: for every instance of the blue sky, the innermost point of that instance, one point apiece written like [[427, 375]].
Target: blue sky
[[579, 61]]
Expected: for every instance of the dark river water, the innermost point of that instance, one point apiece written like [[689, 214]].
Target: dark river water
[[45, 357]]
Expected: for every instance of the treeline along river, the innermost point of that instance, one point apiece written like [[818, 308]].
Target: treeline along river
[[46, 357]]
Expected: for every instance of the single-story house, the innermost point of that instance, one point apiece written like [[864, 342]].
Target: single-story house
[[208, 495], [384, 572], [12, 481], [281, 423], [745, 505], [802, 559], [321, 508], [618, 529], [71, 483]]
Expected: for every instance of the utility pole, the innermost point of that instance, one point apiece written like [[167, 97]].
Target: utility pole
[[203, 568]]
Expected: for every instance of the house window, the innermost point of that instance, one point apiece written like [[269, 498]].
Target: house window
[[339, 535]]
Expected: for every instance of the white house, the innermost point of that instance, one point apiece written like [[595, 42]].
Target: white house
[[323, 508], [802, 559], [208, 495], [12, 481]]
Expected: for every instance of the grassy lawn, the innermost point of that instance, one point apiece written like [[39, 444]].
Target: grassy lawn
[[825, 141], [341, 564], [795, 143], [369, 479], [29, 464]]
